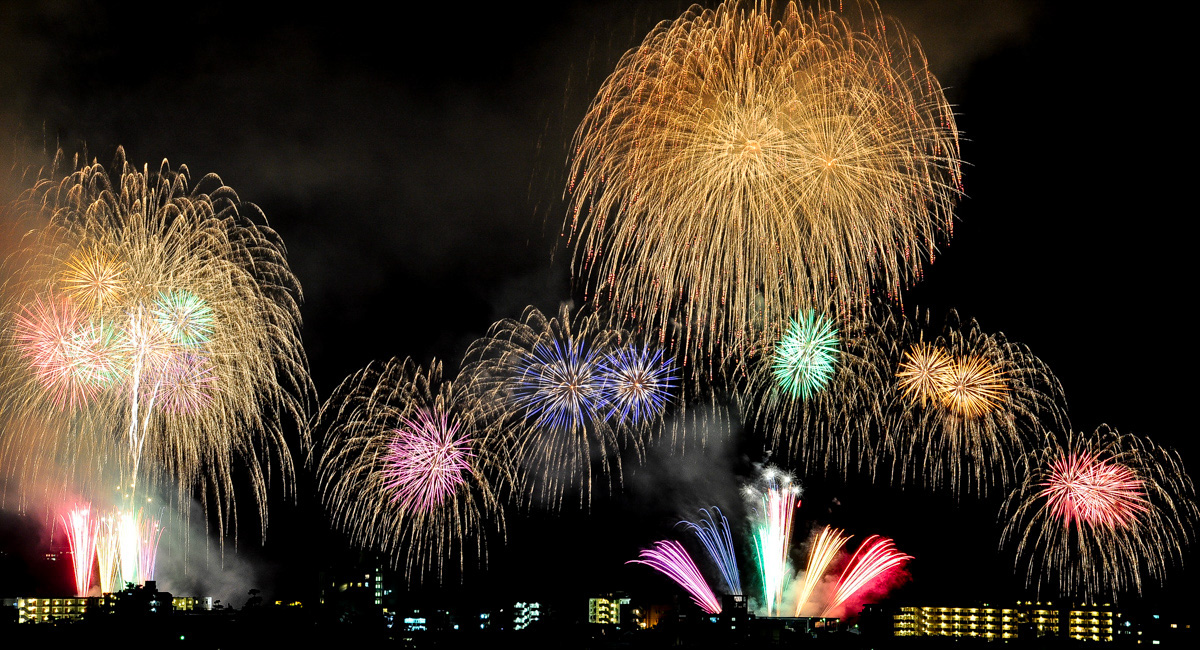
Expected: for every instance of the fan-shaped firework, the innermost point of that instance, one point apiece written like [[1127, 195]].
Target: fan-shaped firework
[[718, 541], [547, 374], [821, 553], [743, 164], [965, 404], [670, 558], [1100, 515], [154, 326], [874, 558], [82, 533], [816, 391], [407, 466], [636, 384]]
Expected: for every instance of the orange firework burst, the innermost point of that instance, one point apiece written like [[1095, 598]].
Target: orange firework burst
[[975, 387], [743, 164], [965, 404], [925, 374], [94, 278], [1101, 514]]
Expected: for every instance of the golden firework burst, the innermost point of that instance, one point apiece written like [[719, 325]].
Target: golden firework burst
[[975, 387], [925, 374]]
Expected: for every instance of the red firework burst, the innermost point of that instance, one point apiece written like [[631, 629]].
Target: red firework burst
[[1081, 487]]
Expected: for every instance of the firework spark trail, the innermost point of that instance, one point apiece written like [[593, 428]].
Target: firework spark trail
[[744, 163], [426, 460], [718, 542], [108, 556], [129, 547], [821, 554], [874, 557], [544, 372], [156, 326], [82, 533], [965, 405], [1100, 515], [149, 533], [410, 464], [777, 503], [670, 558], [636, 383]]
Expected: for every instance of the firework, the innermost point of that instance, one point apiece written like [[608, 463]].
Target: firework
[[821, 554], [718, 542], [108, 556], [805, 358], [964, 405], [426, 461], [408, 465], [670, 558], [874, 558], [743, 164], [816, 391], [636, 383], [155, 326], [82, 534], [546, 374], [774, 502], [1099, 515]]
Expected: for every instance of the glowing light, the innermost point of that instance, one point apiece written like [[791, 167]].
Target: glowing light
[[806, 357], [670, 558], [426, 460], [94, 278], [558, 385], [184, 384]]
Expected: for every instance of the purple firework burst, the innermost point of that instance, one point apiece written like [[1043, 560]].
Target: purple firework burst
[[425, 461]]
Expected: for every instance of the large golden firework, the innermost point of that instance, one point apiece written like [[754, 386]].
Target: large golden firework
[[183, 365], [965, 405], [1098, 515], [743, 164], [407, 465]]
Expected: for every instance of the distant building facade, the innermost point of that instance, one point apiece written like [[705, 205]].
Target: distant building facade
[[606, 610], [1022, 620]]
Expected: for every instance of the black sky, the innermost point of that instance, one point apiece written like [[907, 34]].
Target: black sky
[[414, 162]]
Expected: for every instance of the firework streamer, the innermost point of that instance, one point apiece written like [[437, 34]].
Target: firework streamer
[[774, 501], [409, 464], [821, 554], [670, 558], [1099, 515], [108, 556], [718, 541], [749, 162], [964, 406], [151, 338], [874, 558], [82, 533]]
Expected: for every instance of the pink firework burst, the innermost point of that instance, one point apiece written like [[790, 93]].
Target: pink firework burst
[[425, 460], [1081, 487], [185, 384], [49, 333]]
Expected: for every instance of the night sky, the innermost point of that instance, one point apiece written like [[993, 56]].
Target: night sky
[[414, 164]]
